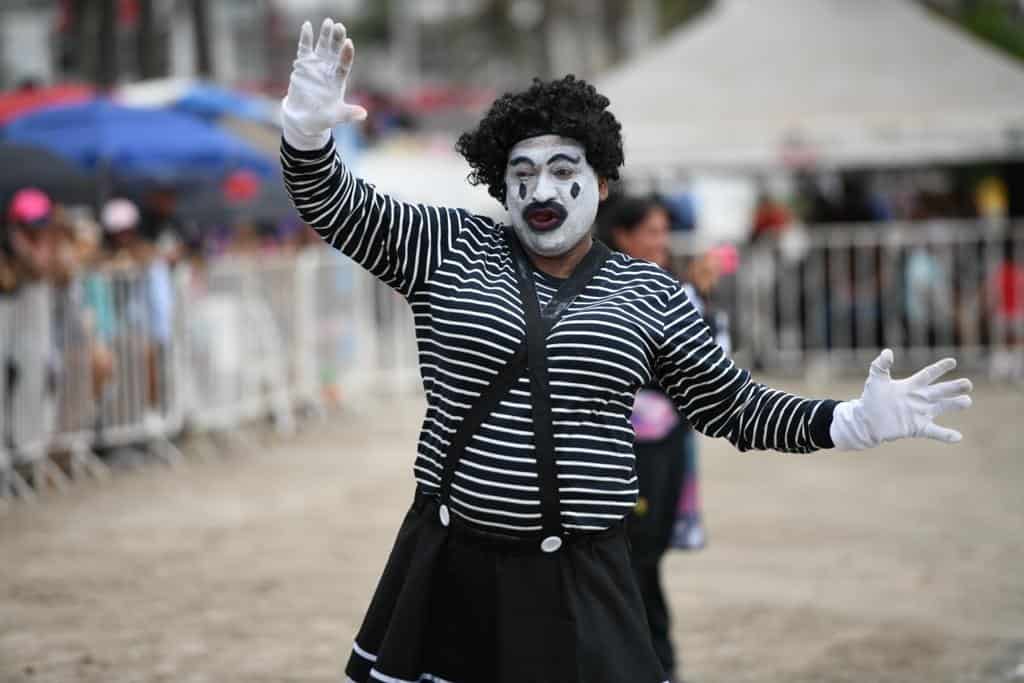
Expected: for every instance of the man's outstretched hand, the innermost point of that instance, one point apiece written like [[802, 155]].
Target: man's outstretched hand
[[315, 102], [892, 409]]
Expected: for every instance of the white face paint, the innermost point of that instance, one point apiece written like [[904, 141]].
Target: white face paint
[[552, 193]]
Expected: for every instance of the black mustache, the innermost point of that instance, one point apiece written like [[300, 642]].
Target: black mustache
[[548, 205]]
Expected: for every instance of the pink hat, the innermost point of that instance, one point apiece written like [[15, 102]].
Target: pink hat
[[30, 206], [119, 215]]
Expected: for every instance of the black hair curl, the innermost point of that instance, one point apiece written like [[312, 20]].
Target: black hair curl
[[568, 107]]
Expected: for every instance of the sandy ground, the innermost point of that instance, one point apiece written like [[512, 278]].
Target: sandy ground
[[903, 565]]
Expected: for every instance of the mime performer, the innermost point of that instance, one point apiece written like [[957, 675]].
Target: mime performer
[[533, 338]]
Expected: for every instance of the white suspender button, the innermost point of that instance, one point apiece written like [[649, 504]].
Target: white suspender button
[[446, 518], [551, 544]]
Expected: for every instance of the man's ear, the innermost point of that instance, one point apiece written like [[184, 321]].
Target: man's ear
[[602, 188]]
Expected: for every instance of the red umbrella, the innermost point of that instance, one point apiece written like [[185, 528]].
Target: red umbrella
[[26, 100]]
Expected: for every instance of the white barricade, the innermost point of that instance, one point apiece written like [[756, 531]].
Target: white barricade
[[828, 298], [126, 357], [10, 346], [31, 388], [357, 334], [388, 344], [32, 382], [84, 366], [332, 324], [140, 405], [239, 327], [270, 335], [6, 365]]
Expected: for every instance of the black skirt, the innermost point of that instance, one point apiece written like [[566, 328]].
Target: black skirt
[[456, 605]]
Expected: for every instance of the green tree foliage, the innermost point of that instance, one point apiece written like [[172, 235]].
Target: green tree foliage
[[998, 22], [672, 13]]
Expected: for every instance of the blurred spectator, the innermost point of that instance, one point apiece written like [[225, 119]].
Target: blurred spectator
[[83, 322], [1006, 304], [121, 220], [30, 378], [247, 239], [8, 292], [702, 276], [990, 198], [816, 199], [640, 228], [97, 294], [174, 239], [158, 214], [663, 444], [860, 204], [387, 115], [65, 250], [147, 303], [293, 235], [910, 194], [771, 218], [29, 235], [682, 208], [928, 296]]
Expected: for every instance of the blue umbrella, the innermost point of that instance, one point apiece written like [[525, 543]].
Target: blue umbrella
[[211, 102], [155, 144]]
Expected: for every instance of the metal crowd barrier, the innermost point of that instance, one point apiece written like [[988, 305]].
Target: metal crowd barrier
[[131, 358], [142, 402], [239, 327], [357, 337], [826, 299], [124, 360], [26, 401]]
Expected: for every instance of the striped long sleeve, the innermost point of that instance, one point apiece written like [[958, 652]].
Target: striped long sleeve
[[402, 244], [631, 325], [721, 400]]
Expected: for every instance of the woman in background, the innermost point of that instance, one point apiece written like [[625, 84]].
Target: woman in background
[[666, 514]]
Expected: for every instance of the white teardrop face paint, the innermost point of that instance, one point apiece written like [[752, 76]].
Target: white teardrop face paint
[[552, 193]]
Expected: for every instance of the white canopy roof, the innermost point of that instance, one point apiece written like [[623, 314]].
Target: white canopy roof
[[425, 170], [768, 83]]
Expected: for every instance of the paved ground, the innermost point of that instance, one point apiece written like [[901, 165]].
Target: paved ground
[[902, 565]]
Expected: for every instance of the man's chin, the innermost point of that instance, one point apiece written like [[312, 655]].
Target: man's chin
[[547, 243]]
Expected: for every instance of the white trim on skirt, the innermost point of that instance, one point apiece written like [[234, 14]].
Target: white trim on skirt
[[424, 678], [384, 678]]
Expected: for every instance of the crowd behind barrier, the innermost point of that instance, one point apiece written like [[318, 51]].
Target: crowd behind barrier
[[120, 359], [133, 355]]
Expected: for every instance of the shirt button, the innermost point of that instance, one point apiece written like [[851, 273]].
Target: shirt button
[[444, 515], [551, 544]]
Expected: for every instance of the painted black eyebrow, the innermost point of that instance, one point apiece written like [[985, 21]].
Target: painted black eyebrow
[[564, 157], [519, 160]]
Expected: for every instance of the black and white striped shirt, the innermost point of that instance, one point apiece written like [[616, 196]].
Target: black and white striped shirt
[[633, 324]]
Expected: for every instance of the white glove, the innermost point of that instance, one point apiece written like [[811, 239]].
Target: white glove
[[895, 409], [315, 102]]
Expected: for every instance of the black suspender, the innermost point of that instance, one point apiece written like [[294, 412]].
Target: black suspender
[[532, 355]]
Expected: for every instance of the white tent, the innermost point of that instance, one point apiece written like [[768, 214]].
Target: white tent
[[426, 171], [774, 83]]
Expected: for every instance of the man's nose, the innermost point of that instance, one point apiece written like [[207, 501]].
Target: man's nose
[[545, 190]]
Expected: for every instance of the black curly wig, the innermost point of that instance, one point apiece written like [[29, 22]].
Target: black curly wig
[[568, 107]]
